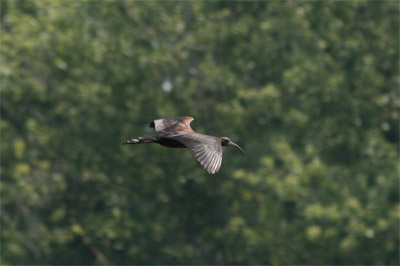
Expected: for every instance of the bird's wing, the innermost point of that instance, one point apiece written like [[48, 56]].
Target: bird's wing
[[206, 149], [172, 124]]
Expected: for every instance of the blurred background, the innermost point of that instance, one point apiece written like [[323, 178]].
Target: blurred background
[[308, 88]]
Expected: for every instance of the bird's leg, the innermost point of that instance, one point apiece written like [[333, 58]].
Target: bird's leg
[[141, 140]]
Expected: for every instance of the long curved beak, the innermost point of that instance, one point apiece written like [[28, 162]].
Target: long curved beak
[[237, 146]]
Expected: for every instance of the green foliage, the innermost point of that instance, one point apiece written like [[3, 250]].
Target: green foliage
[[309, 89]]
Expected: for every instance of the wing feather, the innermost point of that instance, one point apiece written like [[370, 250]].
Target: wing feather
[[212, 165], [206, 149], [202, 157], [207, 159], [172, 124]]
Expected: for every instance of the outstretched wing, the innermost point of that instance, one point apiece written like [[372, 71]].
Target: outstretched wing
[[172, 124], [206, 149]]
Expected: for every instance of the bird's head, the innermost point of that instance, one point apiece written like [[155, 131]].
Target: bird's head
[[228, 142]]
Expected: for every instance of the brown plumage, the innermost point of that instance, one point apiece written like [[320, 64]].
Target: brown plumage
[[177, 133]]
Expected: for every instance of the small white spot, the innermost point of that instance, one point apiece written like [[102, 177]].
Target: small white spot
[[167, 86]]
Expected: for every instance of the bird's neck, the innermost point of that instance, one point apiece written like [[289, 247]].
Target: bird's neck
[[222, 142]]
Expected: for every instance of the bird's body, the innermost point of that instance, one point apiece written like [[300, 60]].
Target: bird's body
[[177, 133]]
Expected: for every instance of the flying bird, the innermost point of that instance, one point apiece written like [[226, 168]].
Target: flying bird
[[177, 133]]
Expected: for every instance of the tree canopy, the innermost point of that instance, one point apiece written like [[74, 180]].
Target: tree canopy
[[308, 88]]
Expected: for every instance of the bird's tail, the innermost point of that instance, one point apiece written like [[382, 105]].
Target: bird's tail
[[141, 140]]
